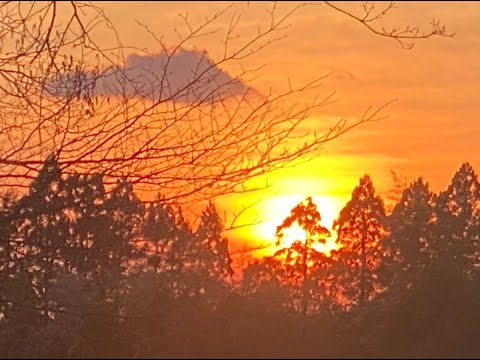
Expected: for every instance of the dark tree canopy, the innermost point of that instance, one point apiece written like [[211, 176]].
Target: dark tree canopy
[[212, 247], [456, 209], [360, 228], [411, 221]]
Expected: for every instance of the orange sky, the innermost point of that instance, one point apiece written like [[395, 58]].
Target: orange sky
[[432, 128]]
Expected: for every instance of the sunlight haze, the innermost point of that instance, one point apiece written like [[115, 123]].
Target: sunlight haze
[[440, 74]]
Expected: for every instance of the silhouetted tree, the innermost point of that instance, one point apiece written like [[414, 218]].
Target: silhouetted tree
[[159, 230], [9, 267], [212, 248], [360, 227], [169, 237], [123, 212], [69, 225], [300, 267], [88, 225], [192, 262], [410, 238], [42, 230], [456, 209]]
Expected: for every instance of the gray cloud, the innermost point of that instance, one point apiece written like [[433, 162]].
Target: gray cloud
[[186, 76]]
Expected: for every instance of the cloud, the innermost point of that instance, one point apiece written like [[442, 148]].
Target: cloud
[[184, 76]]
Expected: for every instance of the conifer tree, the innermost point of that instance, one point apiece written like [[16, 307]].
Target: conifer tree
[[360, 227], [302, 266], [410, 237], [212, 248], [456, 211]]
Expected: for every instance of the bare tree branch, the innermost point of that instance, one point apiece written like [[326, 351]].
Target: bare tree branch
[[404, 36]]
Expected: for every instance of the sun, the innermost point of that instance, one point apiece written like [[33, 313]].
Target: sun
[[292, 234], [278, 207]]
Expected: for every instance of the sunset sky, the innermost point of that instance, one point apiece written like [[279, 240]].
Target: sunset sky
[[432, 128]]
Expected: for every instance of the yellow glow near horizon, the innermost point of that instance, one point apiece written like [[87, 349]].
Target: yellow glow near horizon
[[276, 208], [419, 128], [329, 179]]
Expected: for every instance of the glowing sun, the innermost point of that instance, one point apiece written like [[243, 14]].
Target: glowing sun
[[277, 208]]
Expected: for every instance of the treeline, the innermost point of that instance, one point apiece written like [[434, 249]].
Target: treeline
[[86, 272]]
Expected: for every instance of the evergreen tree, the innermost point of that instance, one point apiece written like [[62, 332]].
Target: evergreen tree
[[301, 266], [456, 211], [42, 230], [123, 212], [167, 235], [159, 230], [212, 248], [410, 237], [88, 225], [360, 227], [15, 289]]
